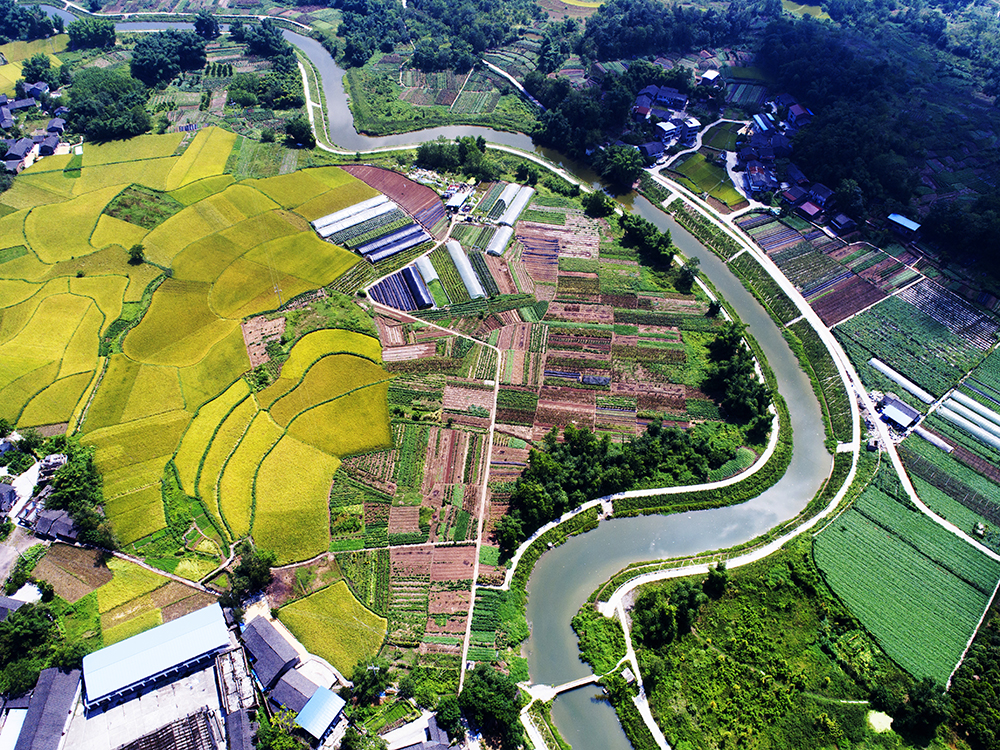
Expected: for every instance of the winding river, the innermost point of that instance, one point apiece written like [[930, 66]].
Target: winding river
[[564, 577]]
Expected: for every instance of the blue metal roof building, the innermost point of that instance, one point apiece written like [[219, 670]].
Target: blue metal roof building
[[139, 662], [320, 713]]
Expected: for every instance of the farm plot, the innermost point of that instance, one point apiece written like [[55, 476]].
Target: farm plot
[[709, 178], [964, 321], [419, 201], [930, 590], [747, 95], [810, 271], [480, 95], [844, 298], [910, 341], [333, 624]]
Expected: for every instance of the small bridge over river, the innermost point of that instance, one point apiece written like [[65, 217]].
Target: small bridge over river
[[545, 693]]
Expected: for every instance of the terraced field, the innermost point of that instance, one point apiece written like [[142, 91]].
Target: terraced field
[[149, 365]]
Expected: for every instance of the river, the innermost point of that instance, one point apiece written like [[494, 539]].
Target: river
[[564, 577]]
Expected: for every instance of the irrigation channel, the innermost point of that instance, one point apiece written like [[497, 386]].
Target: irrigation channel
[[564, 577]]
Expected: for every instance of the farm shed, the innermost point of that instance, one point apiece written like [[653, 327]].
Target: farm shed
[[499, 241], [271, 653], [465, 270], [320, 713], [820, 193], [903, 227], [8, 605], [293, 691], [139, 662], [517, 205], [456, 201], [709, 78], [239, 730], [809, 210], [899, 413], [49, 710]]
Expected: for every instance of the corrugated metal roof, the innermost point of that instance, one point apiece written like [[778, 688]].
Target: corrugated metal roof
[[904, 222], [320, 712], [48, 710], [898, 412], [148, 654]]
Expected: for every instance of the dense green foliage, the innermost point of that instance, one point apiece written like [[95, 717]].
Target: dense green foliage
[[23, 22], [975, 689], [490, 700], [271, 89], [370, 679], [205, 25], [76, 488], [91, 33], [108, 104], [582, 467], [733, 380], [465, 154], [250, 577], [38, 67], [159, 58]]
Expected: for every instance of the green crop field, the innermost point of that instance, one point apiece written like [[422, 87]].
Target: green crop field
[[918, 589], [334, 625], [709, 178], [283, 493]]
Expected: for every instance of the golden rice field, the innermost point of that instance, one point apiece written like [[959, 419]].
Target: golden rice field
[[333, 624], [171, 387]]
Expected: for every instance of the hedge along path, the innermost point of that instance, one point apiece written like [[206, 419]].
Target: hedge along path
[[224, 363], [236, 484], [112, 231], [281, 493], [223, 444], [206, 156], [328, 378], [179, 328], [62, 231], [356, 422]]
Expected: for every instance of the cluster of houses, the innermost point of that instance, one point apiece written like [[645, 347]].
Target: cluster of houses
[[19, 153], [667, 105]]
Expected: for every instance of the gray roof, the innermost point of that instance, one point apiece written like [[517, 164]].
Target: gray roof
[[272, 654], [435, 738], [8, 496], [56, 523], [20, 149], [239, 730], [8, 605], [293, 690], [145, 656], [900, 413], [48, 710], [56, 123], [23, 103]]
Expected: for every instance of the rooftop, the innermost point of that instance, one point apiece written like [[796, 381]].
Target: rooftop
[[904, 222], [149, 654], [271, 652], [49, 710], [320, 712]]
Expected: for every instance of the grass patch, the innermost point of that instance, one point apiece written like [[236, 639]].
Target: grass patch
[[143, 207]]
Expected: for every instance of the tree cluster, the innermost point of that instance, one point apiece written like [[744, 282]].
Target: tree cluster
[[29, 642], [490, 701], [272, 90], [265, 39], [77, 489], [975, 688], [732, 380], [583, 466], [91, 33], [371, 678], [659, 618], [654, 246], [23, 22], [251, 576], [39, 68], [159, 58], [465, 154], [206, 25]]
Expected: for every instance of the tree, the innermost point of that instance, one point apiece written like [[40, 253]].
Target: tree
[[355, 740], [491, 701], [158, 58], [449, 717], [370, 678], [685, 279], [718, 579], [137, 255], [108, 104], [298, 132], [919, 718], [251, 576], [92, 33], [22, 22], [654, 619], [39, 68], [597, 203], [620, 165], [205, 25], [277, 733]]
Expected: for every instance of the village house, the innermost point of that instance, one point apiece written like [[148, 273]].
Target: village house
[[820, 194], [56, 125], [18, 154], [905, 228]]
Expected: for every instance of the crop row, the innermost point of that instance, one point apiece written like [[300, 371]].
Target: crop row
[[486, 364], [347, 235], [491, 197], [766, 288], [483, 272], [452, 282], [717, 241]]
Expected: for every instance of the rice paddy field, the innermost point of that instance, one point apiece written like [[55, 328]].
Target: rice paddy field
[[147, 361], [709, 178], [333, 624]]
